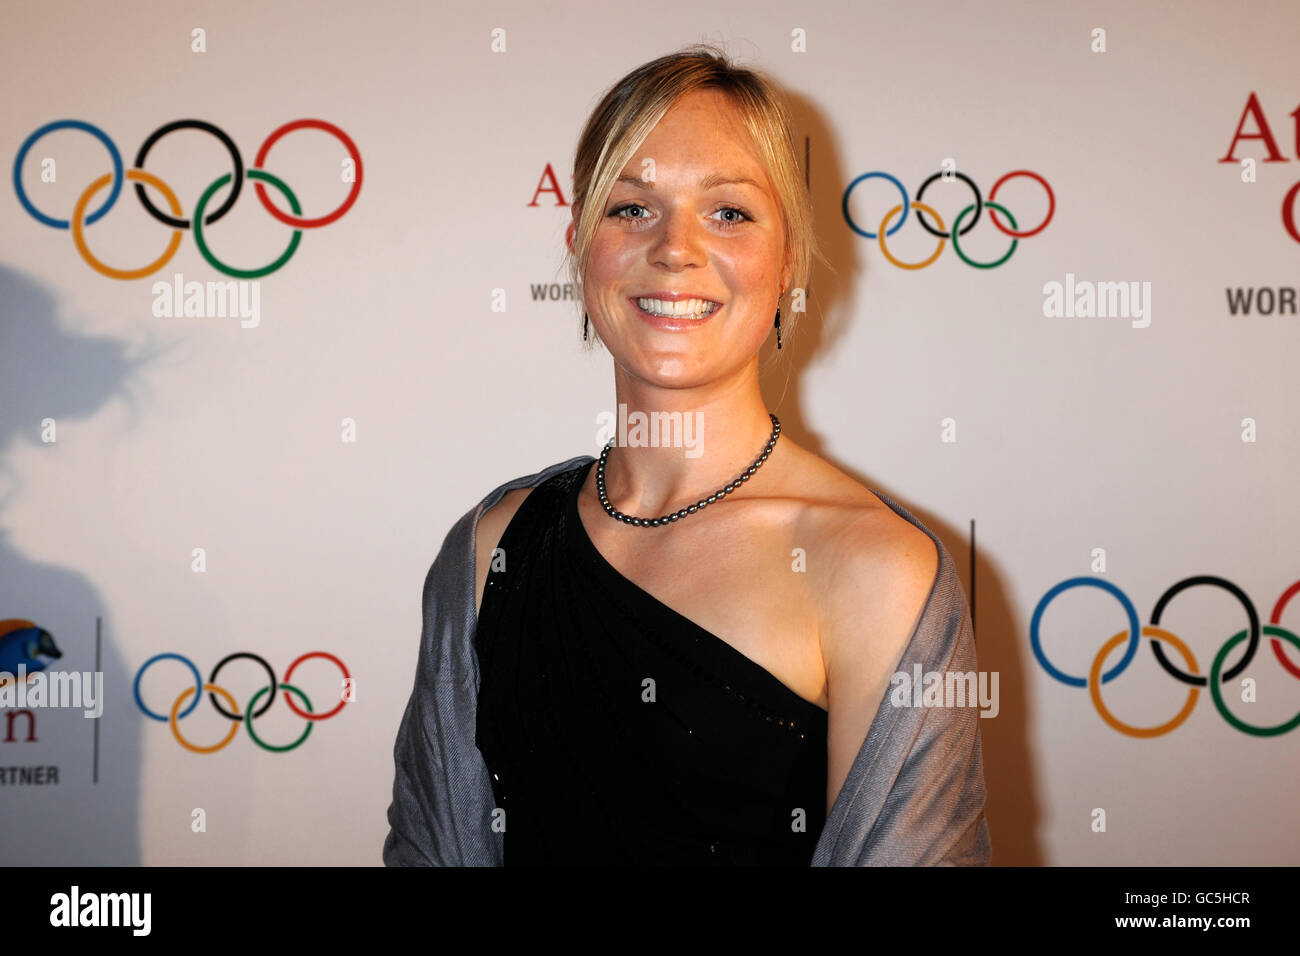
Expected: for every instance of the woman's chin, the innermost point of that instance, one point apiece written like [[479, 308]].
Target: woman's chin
[[668, 370]]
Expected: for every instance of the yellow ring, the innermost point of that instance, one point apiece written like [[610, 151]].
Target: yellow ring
[[885, 249], [78, 229], [1094, 684], [176, 730]]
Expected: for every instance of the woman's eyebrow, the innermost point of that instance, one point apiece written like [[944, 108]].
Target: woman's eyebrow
[[708, 182]]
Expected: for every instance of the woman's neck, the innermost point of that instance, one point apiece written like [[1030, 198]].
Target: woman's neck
[[675, 445]]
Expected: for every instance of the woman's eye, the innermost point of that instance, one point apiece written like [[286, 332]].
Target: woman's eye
[[740, 217], [733, 216], [618, 212]]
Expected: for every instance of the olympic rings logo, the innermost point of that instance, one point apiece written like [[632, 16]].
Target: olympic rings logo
[[176, 220], [1191, 676], [175, 715], [943, 233]]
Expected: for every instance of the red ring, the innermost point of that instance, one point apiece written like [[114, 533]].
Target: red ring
[[1051, 203], [1277, 619], [289, 673], [297, 221]]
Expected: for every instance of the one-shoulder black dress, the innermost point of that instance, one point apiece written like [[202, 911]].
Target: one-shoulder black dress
[[616, 731]]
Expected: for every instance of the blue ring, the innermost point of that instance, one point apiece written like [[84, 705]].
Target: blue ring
[[1135, 630], [198, 681], [907, 204], [50, 128]]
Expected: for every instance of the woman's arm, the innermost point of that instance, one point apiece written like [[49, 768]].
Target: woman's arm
[[417, 831], [883, 571], [913, 794], [440, 814], [442, 808]]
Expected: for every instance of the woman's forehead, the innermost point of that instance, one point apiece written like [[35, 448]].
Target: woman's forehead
[[698, 147]]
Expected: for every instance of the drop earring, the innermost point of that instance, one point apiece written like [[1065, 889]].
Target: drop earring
[[778, 328], [584, 326]]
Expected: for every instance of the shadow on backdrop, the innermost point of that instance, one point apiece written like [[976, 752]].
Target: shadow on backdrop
[[1013, 806], [48, 371]]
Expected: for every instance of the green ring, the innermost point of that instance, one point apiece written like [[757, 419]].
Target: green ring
[[957, 245], [1217, 693], [293, 243], [248, 720]]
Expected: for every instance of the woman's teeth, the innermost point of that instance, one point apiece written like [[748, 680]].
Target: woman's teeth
[[682, 309]]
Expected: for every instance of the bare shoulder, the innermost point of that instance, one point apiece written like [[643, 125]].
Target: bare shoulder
[[866, 548], [872, 569], [880, 571], [879, 552], [492, 525]]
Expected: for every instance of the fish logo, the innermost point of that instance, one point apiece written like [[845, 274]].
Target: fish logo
[[23, 643]]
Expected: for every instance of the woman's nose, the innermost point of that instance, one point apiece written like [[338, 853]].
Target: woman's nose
[[679, 241]]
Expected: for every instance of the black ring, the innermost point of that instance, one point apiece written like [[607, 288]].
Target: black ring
[[979, 203], [238, 178], [252, 657], [1173, 669]]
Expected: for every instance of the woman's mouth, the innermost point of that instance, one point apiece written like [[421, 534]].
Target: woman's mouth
[[675, 315]]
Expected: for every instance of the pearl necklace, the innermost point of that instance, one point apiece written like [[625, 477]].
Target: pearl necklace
[[690, 509]]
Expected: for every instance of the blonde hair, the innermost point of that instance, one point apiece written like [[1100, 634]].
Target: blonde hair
[[629, 111]]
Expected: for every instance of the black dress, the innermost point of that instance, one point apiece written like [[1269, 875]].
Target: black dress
[[617, 731]]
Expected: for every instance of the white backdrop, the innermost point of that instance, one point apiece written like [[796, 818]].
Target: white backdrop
[[1072, 434]]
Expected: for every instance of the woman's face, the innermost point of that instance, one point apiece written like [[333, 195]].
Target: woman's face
[[670, 228]]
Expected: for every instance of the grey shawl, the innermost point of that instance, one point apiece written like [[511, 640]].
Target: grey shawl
[[914, 794]]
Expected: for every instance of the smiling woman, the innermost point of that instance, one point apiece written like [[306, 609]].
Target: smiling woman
[[660, 657]]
